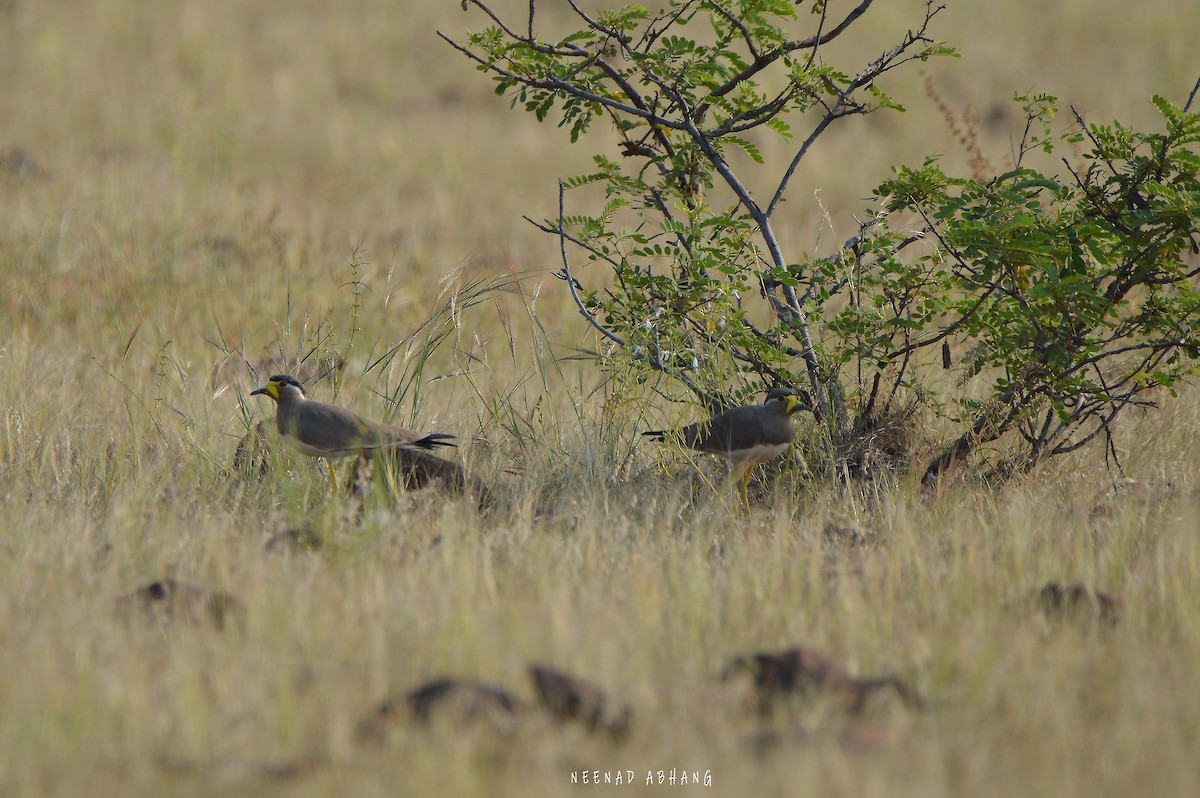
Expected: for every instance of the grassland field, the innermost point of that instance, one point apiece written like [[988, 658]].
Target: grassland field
[[184, 186]]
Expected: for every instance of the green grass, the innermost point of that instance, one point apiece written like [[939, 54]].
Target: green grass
[[211, 170]]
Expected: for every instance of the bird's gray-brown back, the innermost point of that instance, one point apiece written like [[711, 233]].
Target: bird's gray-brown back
[[322, 426], [740, 428]]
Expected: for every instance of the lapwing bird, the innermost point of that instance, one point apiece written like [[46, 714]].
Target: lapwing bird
[[745, 436], [801, 671], [569, 698], [326, 431]]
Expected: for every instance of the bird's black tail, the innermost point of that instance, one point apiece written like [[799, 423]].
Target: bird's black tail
[[433, 439]]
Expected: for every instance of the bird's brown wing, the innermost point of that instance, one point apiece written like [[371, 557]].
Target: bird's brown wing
[[725, 432], [386, 435], [326, 428], [736, 429]]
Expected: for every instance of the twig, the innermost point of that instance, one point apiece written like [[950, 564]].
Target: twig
[[739, 25], [529, 41], [840, 108], [563, 86], [571, 282], [1187, 106], [709, 399], [766, 59]]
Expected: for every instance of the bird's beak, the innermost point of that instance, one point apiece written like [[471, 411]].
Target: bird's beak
[[257, 391]]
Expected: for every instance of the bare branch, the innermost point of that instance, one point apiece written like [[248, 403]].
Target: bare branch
[[825, 122], [812, 53], [766, 59], [567, 88], [652, 35], [795, 316], [1103, 427], [841, 107], [946, 331], [637, 353], [738, 25], [987, 427], [572, 282], [753, 117], [1187, 106], [529, 41]]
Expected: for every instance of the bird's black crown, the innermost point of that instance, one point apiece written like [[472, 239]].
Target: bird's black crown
[[284, 379]]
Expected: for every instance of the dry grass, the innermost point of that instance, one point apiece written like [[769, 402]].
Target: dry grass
[[190, 180]]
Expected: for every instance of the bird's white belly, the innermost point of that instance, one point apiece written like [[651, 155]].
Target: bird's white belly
[[759, 453]]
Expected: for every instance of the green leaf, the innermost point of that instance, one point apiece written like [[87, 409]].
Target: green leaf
[[746, 147]]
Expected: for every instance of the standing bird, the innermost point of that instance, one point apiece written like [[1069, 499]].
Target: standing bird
[[743, 435], [320, 430]]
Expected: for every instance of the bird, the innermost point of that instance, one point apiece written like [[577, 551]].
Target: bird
[[744, 435], [327, 431], [799, 671]]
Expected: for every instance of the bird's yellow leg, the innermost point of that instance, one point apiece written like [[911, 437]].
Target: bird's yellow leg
[[332, 473], [744, 482]]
